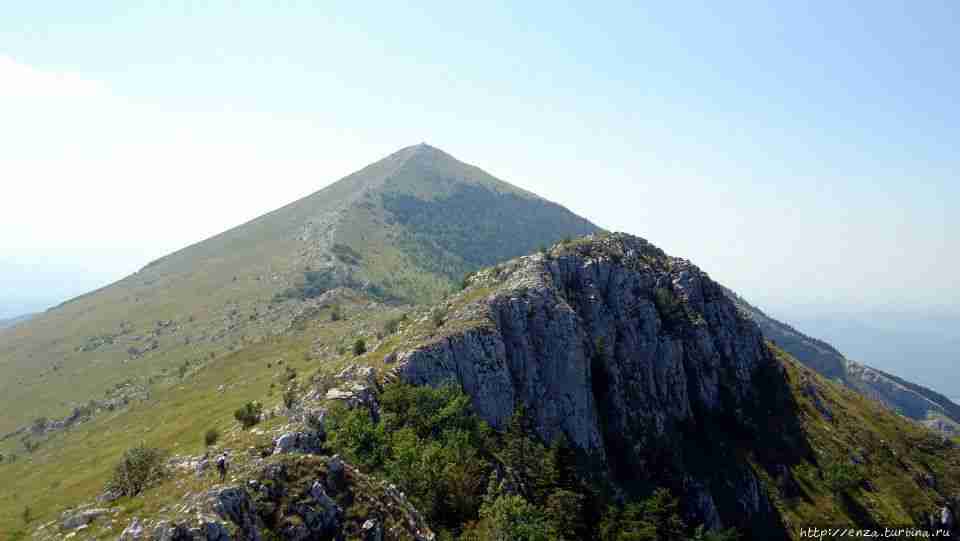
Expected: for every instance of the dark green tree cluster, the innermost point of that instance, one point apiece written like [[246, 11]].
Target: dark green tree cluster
[[476, 484], [843, 476], [464, 231]]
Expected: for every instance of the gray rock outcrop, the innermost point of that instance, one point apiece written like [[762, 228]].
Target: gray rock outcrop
[[81, 518], [622, 350], [298, 442]]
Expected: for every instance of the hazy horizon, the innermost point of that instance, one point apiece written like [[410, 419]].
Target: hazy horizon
[[824, 182]]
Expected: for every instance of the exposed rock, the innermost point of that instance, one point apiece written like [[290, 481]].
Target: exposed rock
[[163, 531], [703, 506], [234, 504], [109, 496], [371, 531], [298, 442], [325, 517], [621, 349], [82, 518], [946, 518], [358, 389], [202, 466], [204, 528], [810, 390], [212, 530], [133, 532]]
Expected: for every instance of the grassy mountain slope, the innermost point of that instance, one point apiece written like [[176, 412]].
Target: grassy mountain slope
[[910, 399], [72, 467], [868, 466], [204, 329], [405, 229]]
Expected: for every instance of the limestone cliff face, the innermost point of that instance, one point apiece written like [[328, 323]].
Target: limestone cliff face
[[636, 357]]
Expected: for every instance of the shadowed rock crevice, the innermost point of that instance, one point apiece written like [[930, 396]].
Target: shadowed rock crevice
[[642, 362]]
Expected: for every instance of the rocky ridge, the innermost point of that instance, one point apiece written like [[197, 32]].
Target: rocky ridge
[[658, 379], [288, 488], [630, 354]]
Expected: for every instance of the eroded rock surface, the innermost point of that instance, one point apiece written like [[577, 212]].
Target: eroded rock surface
[[633, 356]]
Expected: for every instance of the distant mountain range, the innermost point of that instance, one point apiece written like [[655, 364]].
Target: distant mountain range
[[922, 346], [912, 400]]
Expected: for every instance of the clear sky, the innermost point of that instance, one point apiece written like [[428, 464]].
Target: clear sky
[[806, 154]]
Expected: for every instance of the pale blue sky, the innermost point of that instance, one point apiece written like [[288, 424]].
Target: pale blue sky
[[805, 155]]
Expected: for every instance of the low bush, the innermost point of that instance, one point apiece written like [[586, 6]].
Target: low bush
[[140, 468], [249, 414], [211, 437]]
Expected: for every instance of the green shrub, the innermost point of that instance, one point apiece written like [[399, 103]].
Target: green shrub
[[359, 347], [140, 468], [842, 476], [392, 325], [335, 313], [438, 317], [656, 518], [211, 437], [249, 414], [512, 517]]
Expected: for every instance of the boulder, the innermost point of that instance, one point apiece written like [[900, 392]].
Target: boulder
[[371, 531], [109, 496], [328, 513], [946, 518], [82, 518], [235, 505], [298, 442], [133, 532], [201, 466]]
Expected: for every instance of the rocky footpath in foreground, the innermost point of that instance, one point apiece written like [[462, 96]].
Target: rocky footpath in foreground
[[287, 489], [290, 497]]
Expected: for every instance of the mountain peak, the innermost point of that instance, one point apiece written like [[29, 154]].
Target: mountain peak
[[419, 149]]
